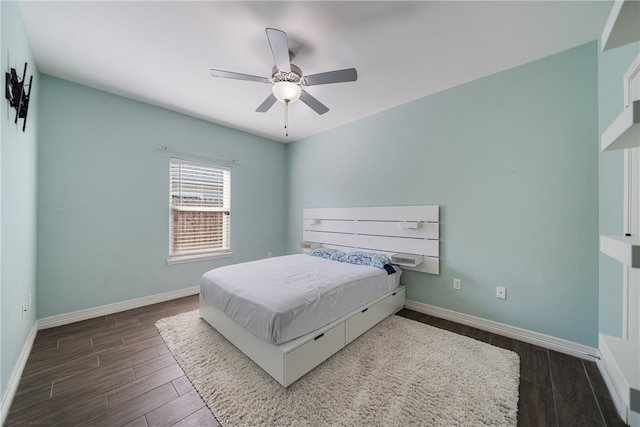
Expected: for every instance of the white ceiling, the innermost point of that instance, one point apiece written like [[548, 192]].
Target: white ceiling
[[160, 52]]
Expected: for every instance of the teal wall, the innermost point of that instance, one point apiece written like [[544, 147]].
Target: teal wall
[[103, 217], [512, 160], [612, 65], [18, 194]]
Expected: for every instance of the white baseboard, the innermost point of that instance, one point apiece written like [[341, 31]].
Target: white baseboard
[[77, 316], [542, 340], [14, 380]]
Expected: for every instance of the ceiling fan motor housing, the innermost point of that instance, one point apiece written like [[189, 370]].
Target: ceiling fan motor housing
[[294, 76]]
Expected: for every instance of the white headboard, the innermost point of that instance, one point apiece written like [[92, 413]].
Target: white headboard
[[409, 235]]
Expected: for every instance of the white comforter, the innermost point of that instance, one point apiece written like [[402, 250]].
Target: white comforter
[[282, 298]]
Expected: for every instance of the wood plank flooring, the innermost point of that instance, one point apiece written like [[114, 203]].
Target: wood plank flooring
[[116, 371]]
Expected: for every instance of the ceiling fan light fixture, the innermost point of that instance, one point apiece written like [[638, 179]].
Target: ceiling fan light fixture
[[286, 92]]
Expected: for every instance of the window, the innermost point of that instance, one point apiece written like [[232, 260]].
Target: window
[[200, 210]]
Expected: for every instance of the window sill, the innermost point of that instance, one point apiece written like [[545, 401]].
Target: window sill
[[192, 258]]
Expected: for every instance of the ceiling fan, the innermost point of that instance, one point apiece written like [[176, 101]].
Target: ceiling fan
[[287, 79]]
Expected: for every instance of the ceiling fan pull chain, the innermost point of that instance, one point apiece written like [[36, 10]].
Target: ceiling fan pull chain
[[286, 118]]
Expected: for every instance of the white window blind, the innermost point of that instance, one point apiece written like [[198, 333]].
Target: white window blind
[[200, 210]]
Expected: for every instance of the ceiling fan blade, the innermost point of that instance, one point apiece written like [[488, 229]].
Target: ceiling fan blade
[[266, 104], [338, 76], [279, 48], [238, 76], [313, 103]]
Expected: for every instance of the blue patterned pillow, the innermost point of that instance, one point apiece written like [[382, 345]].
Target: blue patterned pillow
[[372, 259], [333, 254]]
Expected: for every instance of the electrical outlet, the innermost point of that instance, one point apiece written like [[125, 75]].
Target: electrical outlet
[[501, 292], [456, 284], [268, 254], [29, 304]]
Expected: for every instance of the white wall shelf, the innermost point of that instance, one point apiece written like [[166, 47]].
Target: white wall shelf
[[309, 246], [624, 132], [407, 260], [625, 249], [622, 25]]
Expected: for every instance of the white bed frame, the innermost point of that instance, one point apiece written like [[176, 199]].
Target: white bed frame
[[409, 230]]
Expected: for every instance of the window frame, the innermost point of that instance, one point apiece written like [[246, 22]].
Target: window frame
[[211, 253]]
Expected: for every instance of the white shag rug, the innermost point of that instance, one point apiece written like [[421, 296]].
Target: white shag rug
[[399, 373]]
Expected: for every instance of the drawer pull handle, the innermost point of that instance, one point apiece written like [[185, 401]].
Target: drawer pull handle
[[365, 309], [318, 337], [394, 294]]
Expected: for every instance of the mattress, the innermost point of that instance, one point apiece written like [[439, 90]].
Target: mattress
[[282, 298]]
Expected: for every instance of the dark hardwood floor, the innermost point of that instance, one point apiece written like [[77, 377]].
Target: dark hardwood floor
[[116, 371]]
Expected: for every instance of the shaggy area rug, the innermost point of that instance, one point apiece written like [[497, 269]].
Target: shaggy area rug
[[399, 373]]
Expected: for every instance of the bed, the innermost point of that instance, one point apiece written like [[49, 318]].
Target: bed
[[290, 313]]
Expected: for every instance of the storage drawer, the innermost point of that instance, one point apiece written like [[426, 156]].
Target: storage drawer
[[302, 359], [372, 315]]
